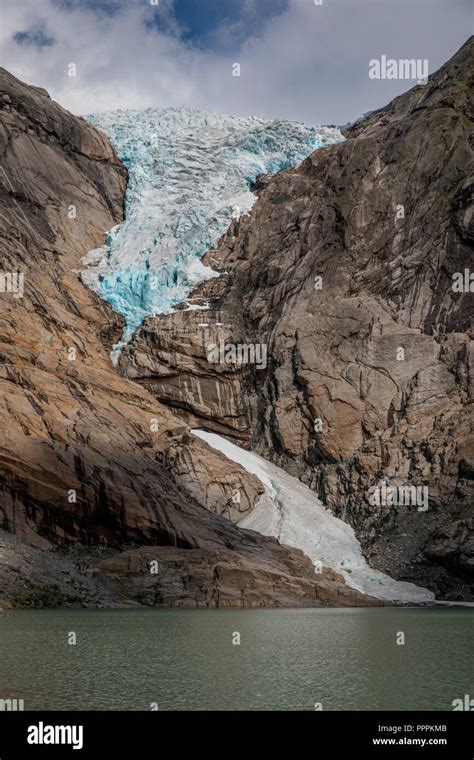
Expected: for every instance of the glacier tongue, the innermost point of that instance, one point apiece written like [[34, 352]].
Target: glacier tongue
[[190, 173], [292, 513]]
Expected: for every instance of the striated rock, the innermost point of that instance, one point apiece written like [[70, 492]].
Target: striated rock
[[345, 270], [217, 483], [228, 579], [87, 456], [169, 357]]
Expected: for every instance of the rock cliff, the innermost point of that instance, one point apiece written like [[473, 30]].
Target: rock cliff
[[353, 271], [90, 459]]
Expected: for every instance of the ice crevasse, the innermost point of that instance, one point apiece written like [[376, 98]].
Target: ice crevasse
[[190, 173]]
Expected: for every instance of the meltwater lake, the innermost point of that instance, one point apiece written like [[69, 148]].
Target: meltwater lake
[[142, 659]]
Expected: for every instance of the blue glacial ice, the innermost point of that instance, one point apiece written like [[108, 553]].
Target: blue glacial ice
[[190, 174]]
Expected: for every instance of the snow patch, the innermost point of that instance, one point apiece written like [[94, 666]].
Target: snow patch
[[292, 513]]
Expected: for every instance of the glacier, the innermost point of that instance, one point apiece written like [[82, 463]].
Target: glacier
[[292, 513], [190, 174]]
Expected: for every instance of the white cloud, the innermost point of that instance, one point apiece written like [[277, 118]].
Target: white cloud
[[311, 62]]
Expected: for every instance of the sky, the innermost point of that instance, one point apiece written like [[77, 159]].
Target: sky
[[304, 60]]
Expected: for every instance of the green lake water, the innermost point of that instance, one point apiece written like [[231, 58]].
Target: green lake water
[[344, 659]]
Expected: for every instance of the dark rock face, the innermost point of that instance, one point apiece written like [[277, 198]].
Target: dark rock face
[[346, 270], [87, 456]]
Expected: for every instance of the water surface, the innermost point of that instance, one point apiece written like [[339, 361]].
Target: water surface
[[345, 659]]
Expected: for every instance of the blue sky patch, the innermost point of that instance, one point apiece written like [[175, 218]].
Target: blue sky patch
[[217, 24], [37, 35]]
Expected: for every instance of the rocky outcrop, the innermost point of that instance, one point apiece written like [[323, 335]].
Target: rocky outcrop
[[353, 271], [151, 576], [169, 357], [227, 578], [87, 457]]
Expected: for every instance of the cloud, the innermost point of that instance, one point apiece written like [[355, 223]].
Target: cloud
[[305, 62]]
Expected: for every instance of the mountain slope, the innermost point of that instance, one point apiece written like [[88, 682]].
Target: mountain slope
[[345, 271], [84, 452]]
